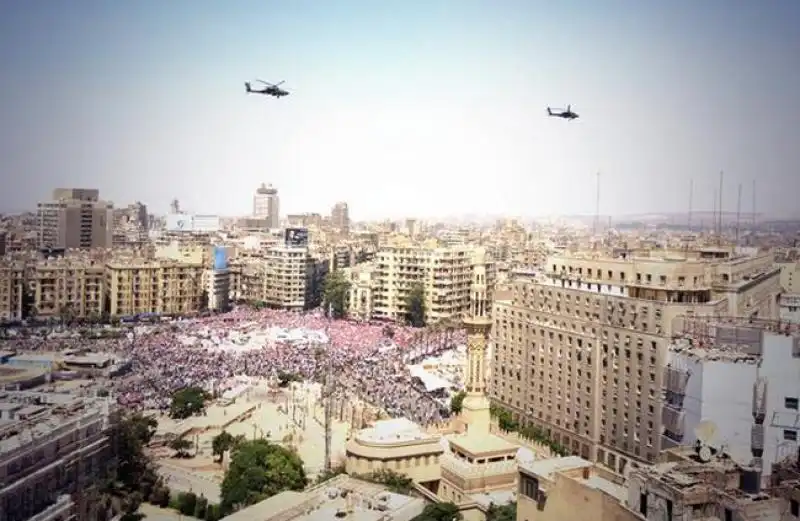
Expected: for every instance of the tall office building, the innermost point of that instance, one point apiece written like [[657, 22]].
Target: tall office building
[[581, 350], [75, 218], [340, 217], [266, 205]]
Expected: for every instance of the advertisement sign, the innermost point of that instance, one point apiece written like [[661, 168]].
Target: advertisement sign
[[206, 223], [296, 237], [180, 222], [220, 258]]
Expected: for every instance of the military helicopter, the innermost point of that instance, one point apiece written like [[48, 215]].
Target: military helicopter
[[269, 89], [565, 114]]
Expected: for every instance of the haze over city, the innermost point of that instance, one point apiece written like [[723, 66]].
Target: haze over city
[[402, 108]]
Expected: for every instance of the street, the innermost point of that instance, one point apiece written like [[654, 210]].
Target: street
[[181, 480]]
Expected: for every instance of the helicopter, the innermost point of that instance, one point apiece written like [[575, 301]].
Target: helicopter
[[565, 114], [269, 89]]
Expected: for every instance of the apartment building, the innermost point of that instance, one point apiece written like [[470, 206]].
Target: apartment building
[[75, 218], [266, 205], [143, 286], [448, 275], [66, 285], [284, 277], [580, 348], [742, 375], [51, 445], [131, 224], [12, 290], [340, 217]]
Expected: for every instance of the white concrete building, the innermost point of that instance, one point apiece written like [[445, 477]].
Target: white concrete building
[[743, 377]]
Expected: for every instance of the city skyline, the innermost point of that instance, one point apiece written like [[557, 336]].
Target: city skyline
[[399, 111]]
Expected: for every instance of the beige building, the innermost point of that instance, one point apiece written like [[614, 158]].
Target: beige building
[[570, 488], [284, 277], [67, 286], [75, 218], [396, 445], [340, 217], [12, 291], [449, 275], [51, 446], [266, 205], [131, 225], [580, 349], [144, 286], [364, 281]]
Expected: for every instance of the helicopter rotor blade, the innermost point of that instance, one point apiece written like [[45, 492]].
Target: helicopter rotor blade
[[279, 83], [264, 82]]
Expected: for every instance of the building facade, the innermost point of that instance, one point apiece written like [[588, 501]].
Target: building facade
[[742, 376], [266, 205], [75, 218], [580, 349], [51, 446], [340, 217], [448, 276]]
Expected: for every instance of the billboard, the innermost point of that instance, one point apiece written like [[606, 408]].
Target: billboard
[[296, 237], [180, 222], [220, 258], [184, 222], [205, 223]]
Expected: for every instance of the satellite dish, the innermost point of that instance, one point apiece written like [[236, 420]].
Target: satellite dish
[[704, 453], [706, 432]]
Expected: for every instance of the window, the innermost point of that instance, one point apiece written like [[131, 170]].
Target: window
[[794, 507], [789, 435], [528, 487], [791, 403]]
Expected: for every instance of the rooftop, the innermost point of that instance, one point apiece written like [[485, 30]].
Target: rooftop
[[477, 444], [548, 468], [398, 430], [28, 416], [340, 498]]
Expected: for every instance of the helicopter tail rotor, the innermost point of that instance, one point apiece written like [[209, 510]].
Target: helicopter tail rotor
[[247, 87]]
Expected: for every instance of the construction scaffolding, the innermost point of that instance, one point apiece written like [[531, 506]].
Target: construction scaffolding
[[744, 334]]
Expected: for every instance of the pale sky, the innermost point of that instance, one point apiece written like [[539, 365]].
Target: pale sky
[[402, 108]]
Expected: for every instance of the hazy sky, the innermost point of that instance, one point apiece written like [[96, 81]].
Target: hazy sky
[[402, 107]]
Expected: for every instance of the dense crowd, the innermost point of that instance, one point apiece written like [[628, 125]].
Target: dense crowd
[[364, 360]]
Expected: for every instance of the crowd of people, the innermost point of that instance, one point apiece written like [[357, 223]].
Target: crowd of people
[[365, 361]]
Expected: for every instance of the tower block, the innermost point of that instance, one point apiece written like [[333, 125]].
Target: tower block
[[475, 409]]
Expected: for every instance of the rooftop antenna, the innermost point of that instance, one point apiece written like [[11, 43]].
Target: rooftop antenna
[[714, 213], [754, 204], [597, 207], [719, 217], [738, 212], [691, 197]]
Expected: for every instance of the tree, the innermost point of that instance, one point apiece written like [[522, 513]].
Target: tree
[[201, 506], [439, 512], [181, 447], [259, 470], [457, 402], [507, 512], [325, 475], [221, 443], [187, 501], [415, 306], [397, 483], [187, 402], [133, 476], [335, 294]]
